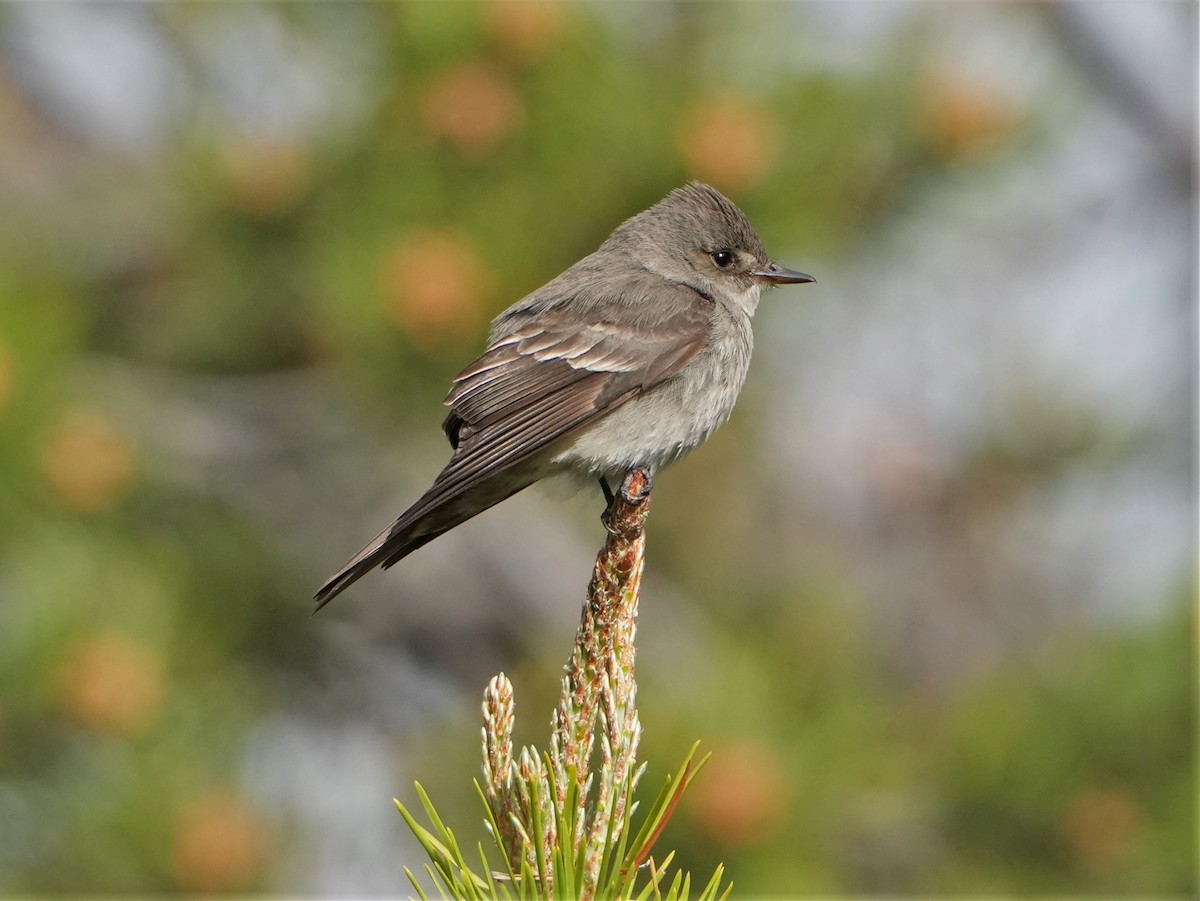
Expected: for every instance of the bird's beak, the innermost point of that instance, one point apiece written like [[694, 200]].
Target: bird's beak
[[774, 274]]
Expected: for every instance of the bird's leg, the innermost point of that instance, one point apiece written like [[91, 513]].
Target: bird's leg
[[609, 500], [608, 492]]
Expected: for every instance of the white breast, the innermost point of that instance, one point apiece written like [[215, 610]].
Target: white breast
[[659, 427]]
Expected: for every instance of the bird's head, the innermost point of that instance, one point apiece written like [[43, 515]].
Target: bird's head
[[698, 237]]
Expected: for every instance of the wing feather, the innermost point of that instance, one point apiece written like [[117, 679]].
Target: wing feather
[[552, 375], [520, 435]]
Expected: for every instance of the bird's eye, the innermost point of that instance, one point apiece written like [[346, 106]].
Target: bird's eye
[[723, 258]]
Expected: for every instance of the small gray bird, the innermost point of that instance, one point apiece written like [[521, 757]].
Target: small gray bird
[[630, 358]]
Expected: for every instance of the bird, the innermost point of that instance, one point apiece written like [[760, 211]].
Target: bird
[[631, 358]]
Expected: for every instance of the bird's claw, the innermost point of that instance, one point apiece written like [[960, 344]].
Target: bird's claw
[[635, 488]]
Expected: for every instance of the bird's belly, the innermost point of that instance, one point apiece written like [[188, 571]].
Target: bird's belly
[[656, 428]]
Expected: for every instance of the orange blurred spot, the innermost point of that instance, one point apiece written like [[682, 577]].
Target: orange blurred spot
[[901, 469], [264, 177], [472, 106], [219, 842], [958, 119], [741, 796], [730, 142], [6, 375], [433, 283], [525, 29], [88, 463], [1100, 826], [111, 684]]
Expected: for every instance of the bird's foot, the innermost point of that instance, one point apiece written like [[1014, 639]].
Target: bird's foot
[[635, 488]]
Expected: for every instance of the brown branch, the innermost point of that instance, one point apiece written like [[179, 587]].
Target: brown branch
[[597, 689]]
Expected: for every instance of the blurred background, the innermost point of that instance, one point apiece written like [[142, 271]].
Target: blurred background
[[929, 597]]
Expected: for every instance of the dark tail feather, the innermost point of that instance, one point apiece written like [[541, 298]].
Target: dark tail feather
[[397, 541], [385, 548]]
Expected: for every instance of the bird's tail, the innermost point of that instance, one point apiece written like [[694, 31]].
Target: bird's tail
[[416, 527], [386, 548]]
